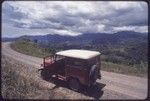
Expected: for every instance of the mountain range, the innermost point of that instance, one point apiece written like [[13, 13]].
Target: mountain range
[[86, 38]]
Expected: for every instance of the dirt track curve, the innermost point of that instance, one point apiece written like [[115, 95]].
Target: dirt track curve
[[113, 85]]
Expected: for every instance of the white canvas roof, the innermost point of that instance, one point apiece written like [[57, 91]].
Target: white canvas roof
[[81, 54]]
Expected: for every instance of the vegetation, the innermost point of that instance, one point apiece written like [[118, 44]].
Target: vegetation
[[136, 70], [18, 86], [28, 47], [127, 49]]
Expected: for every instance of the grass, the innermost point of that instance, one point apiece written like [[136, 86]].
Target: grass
[[17, 86], [136, 70], [29, 48]]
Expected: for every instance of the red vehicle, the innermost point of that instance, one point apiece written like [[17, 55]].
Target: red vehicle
[[75, 66]]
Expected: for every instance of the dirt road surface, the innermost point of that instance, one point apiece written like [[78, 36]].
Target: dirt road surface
[[111, 86]]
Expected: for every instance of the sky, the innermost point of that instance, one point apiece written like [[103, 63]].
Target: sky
[[72, 17]]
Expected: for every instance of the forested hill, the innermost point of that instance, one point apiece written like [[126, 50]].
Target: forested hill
[[124, 47]]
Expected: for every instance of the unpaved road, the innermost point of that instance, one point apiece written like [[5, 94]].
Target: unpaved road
[[113, 85]]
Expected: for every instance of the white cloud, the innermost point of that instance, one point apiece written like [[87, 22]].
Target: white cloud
[[74, 18], [34, 10], [141, 29], [66, 32]]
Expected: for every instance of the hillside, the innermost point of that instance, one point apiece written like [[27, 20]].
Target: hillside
[[28, 47], [121, 52], [23, 85], [123, 47]]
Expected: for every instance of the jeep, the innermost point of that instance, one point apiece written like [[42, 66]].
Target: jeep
[[74, 66]]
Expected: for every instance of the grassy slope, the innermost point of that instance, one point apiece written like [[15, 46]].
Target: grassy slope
[[32, 49], [29, 48], [17, 86], [136, 70]]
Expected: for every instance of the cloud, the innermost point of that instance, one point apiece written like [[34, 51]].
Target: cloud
[[66, 32], [74, 18], [140, 29]]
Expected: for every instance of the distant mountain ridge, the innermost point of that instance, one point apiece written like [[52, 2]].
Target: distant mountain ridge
[[6, 39], [87, 37]]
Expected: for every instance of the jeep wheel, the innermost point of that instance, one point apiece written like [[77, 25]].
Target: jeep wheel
[[74, 84]]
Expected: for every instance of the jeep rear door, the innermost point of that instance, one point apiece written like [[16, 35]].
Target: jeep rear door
[[77, 68]]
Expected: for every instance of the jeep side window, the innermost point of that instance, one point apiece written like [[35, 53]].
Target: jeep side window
[[77, 63], [68, 61]]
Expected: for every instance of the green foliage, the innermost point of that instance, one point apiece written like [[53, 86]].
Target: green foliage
[[127, 53], [138, 70], [30, 48]]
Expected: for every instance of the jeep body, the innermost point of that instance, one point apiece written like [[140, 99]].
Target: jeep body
[[75, 66]]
